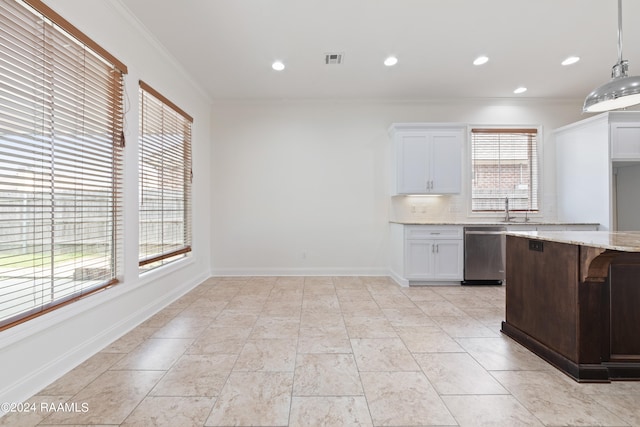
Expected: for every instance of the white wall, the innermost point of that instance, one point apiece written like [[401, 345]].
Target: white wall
[[296, 189], [35, 353], [301, 187]]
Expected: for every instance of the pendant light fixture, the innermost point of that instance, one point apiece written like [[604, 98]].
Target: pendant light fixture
[[619, 92]]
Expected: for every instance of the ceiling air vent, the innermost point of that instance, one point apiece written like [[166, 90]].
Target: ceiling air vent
[[333, 58]]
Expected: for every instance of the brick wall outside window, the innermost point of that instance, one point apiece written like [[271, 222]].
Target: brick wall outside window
[[504, 164]]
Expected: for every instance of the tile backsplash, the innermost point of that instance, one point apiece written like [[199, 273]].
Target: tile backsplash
[[427, 208], [451, 208]]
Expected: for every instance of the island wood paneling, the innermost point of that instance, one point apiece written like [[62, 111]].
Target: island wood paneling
[[575, 306], [625, 311], [544, 302]]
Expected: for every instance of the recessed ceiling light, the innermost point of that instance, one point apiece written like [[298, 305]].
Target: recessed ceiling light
[[521, 89], [391, 61], [481, 60], [570, 60], [278, 66]]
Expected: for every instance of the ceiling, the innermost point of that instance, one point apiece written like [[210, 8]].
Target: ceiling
[[227, 46]]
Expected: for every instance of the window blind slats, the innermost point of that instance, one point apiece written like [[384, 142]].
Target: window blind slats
[[60, 164], [165, 180], [74, 34], [504, 165]]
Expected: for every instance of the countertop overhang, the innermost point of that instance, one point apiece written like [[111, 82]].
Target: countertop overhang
[[625, 241]]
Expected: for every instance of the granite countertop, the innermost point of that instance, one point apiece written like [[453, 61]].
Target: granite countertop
[[471, 223], [626, 241]]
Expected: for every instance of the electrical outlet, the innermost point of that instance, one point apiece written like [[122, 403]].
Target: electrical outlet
[[536, 245]]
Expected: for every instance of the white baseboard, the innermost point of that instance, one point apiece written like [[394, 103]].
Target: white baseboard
[[429, 283], [399, 279], [320, 271]]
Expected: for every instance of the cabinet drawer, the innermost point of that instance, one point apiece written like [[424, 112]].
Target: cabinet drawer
[[418, 232]]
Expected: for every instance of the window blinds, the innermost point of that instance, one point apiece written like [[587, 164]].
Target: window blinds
[[504, 164], [60, 162], [165, 180]]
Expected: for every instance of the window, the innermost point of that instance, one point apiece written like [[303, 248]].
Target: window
[[60, 162], [504, 164], [165, 180]]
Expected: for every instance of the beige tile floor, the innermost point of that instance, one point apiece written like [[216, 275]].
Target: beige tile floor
[[327, 351]]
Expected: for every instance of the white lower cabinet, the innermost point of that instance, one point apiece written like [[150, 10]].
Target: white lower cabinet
[[434, 259], [434, 254], [428, 254]]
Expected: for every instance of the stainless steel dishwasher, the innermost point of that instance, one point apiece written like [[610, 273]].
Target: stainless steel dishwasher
[[484, 255]]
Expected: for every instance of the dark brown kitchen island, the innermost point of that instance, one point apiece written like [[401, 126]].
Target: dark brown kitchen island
[[573, 298]]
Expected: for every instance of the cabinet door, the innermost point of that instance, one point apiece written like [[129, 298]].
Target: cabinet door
[[625, 141], [448, 260], [419, 259], [445, 162], [412, 168]]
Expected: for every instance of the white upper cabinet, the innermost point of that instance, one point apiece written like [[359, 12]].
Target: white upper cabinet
[[446, 161], [428, 158], [625, 141], [413, 152]]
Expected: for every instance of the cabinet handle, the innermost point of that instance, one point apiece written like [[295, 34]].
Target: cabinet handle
[[437, 249], [433, 249]]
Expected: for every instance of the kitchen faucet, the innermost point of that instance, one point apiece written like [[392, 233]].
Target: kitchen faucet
[[507, 218]]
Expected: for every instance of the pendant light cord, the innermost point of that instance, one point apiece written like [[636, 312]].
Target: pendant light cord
[[619, 31]]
